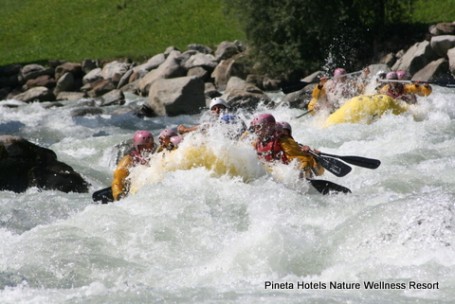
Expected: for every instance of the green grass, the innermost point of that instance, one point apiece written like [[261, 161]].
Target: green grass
[[39, 30], [36, 30], [433, 11]]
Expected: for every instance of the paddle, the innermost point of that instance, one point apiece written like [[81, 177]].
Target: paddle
[[326, 187], [333, 165], [307, 112], [364, 162], [103, 195]]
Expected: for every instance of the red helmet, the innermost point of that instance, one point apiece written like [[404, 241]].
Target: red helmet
[[167, 133], [142, 137], [391, 75], [339, 72]]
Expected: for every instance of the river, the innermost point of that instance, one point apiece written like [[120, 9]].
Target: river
[[196, 237]]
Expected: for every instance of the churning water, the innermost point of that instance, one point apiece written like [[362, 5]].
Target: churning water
[[192, 236]]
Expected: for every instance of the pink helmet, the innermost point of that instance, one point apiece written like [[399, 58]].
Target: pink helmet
[[167, 133], [285, 125], [339, 72], [391, 75], [402, 74], [142, 137], [263, 119], [176, 140]]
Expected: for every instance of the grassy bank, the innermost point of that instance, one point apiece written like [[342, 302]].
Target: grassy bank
[[34, 30]]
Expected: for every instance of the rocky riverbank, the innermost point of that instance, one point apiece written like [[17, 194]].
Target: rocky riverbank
[[181, 82]]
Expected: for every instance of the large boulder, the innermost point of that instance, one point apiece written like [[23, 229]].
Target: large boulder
[[24, 164], [441, 44], [242, 94], [36, 94], [176, 96], [415, 58], [170, 68]]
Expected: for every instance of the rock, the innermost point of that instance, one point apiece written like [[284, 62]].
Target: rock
[[227, 49], [114, 97], [451, 56], [36, 94], [84, 111], [176, 96], [170, 68], [40, 81], [31, 71], [114, 71], [437, 70], [24, 164], [68, 67], [441, 44], [444, 28], [415, 58], [241, 94]]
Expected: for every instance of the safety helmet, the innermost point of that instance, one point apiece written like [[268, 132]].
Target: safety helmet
[[176, 140], [402, 75], [142, 137], [218, 101], [339, 72], [263, 119], [391, 75], [285, 125], [167, 133], [381, 74]]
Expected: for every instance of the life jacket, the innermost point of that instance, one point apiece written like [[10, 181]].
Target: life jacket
[[270, 150], [395, 93]]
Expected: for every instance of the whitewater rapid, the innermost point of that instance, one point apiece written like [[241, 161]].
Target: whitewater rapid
[[193, 236]]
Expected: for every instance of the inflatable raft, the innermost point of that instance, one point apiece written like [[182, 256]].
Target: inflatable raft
[[365, 109], [238, 161]]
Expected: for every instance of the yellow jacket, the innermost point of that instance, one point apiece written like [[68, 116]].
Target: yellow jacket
[[318, 93], [307, 163], [119, 184], [410, 88]]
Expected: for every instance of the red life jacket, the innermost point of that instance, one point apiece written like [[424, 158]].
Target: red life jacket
[[271, 150]]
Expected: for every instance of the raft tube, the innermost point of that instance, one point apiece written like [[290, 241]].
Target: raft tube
[[365, 109]]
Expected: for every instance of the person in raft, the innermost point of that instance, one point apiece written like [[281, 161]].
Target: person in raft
[[273, 146], [403, 91], [217, 106], [143, 146], [169, 140], [330, 94]]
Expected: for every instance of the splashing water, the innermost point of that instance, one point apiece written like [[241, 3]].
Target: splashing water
[[192, 234]]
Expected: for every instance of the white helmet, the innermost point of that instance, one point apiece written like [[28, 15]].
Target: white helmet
[[218, 101]]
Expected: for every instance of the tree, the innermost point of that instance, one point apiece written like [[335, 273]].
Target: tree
[[290, 38]]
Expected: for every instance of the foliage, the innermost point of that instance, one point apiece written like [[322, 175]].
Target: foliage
[[293, 37]]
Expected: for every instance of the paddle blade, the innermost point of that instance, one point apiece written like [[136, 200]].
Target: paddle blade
[[364, 162], [369, 163], [103, 195], [327, 187], [333, 165]]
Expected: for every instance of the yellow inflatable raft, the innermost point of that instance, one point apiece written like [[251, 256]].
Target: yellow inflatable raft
[[365, 109], [233, 160]]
